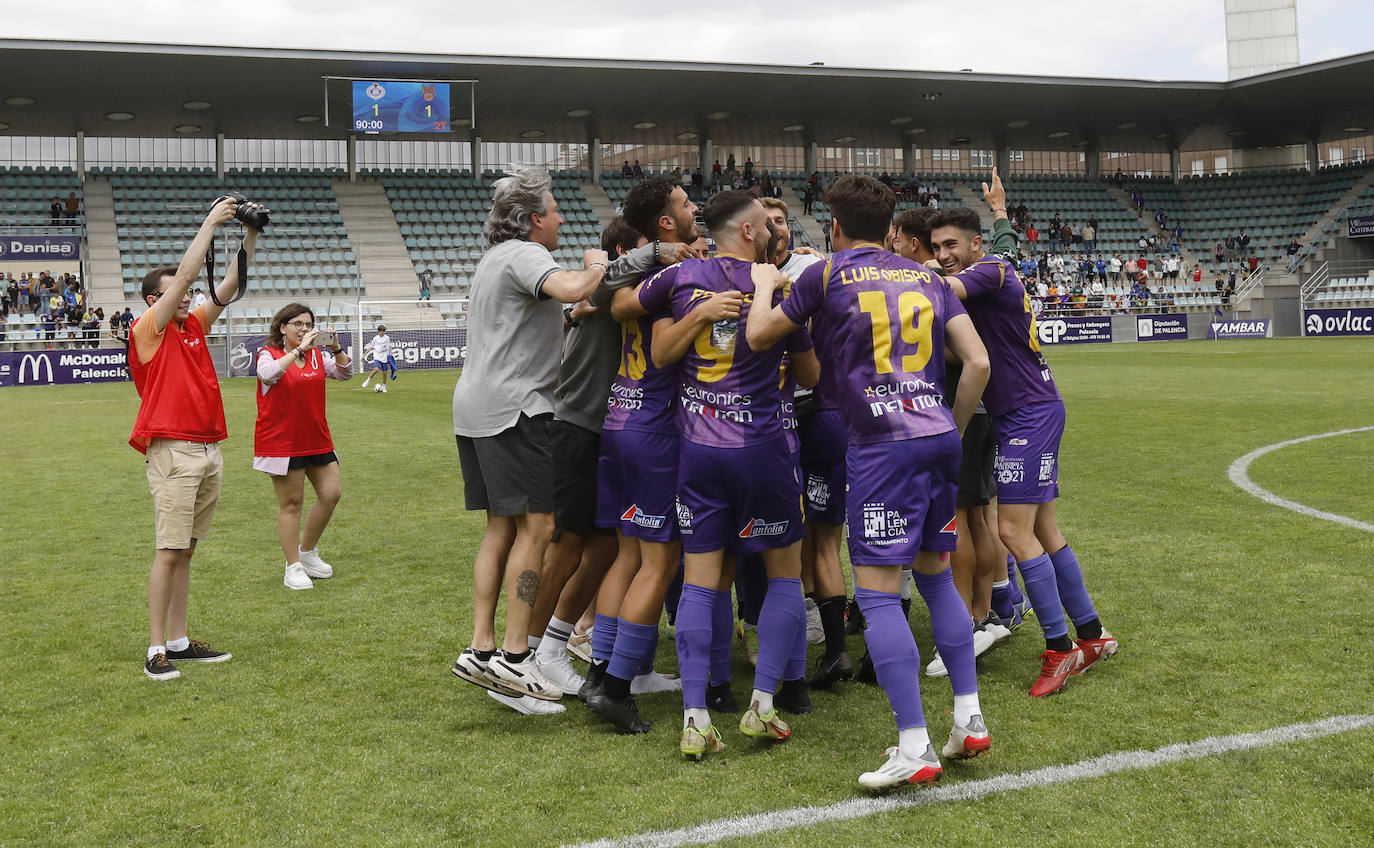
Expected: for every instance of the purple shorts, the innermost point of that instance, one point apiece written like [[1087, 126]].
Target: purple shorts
[[636, 479], [1028, 452], [901, 498], [742, 500], [822, 463]]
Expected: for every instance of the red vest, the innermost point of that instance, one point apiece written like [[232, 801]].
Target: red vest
[[291, 414], [179, 389]]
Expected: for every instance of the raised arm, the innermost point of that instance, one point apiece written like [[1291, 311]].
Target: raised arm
[[165, 309], [572, 286], [230, 284]]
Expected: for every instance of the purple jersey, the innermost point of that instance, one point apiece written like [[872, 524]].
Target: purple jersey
[[729, 394], [642, 395], [1001, 311], [787, 384], [879, 324]]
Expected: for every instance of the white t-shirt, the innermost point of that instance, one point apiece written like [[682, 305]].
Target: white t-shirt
[[198, 300], [798, 262], [1115, 265], [381, 347]]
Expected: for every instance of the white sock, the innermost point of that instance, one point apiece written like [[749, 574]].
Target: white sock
[[314, 550], [912, 742], [534, 642], [179, 644], [965, 708], [155, 650], [365, 382], [907, 581], [763, 699], [558, 631], [700, 717]]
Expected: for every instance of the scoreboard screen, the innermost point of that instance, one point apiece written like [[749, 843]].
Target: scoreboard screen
[[390, 106]]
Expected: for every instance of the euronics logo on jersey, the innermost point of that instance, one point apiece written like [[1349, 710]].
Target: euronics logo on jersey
[[759, 527], [640, 518], [883, 526]]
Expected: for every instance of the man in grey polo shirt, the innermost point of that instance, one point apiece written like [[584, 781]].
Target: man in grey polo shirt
[[502, 406]]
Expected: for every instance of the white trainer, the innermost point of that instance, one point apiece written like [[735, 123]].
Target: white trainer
[[937, 667], [647, 684], [969, 740], [580, 645], [523, 677], [296, 578], [815, 633], [384, 389], [526, 705], [899, 770], [559, 670], [365, 382], [314, 566]]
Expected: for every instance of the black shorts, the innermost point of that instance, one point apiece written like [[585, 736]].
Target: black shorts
[[510, 473], [312, 461], [575, 454], [977, 483]]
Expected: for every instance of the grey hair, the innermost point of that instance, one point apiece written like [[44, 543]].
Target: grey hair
[[514, 200]]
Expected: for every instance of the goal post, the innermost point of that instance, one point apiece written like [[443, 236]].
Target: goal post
[[423, 333]]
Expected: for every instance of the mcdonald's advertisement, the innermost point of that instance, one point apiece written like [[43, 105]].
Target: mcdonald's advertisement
[[59, 367]]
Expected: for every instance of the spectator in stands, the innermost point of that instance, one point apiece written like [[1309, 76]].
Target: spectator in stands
[[1253, 264], [292, 442], [1097, 293], [198, 298], [1178, 232], [638, 171], [1092, 220], [1114, 267], [626, 170], [1066, 235], [1144, 244], [1023, 212], [1100, 265], [118, 333], [25, 293], [11, 293], [1077, 232], [1090, 237], [1294, 251], [730, 163], [1243, 243], [1131, 269], [49, 322], [1197, 276], [55, 210], [715, 170], [426, 279], [4, 326], [72, 207], [1078, 298], [1032, 236], [748, 168]]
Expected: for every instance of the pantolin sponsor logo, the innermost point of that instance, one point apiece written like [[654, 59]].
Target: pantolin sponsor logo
[[640, 518], [759, 527]]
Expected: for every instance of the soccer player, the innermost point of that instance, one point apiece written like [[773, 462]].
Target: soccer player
[[1028, 418], [179, 427], [378, 351], [883, 322], [502, 405], [739, 491], [637, 473]]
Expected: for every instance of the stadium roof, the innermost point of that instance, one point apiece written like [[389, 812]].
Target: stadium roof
[[260, 92]]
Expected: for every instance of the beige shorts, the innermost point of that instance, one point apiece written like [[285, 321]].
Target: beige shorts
[[184, 478]]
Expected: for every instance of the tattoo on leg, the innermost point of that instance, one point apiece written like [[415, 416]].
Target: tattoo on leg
[[527, 586]]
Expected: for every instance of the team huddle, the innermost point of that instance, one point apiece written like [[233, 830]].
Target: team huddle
[[728, 421]]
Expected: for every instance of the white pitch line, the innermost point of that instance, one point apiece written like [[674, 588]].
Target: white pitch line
[[771, 822], [1239, 475]]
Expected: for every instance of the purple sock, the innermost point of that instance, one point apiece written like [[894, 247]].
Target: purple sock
[[796, 661], [722, 636], [694, 643], [782, 614], [1038, 575], [952, 628], [603, 637], [1072, 590], [634, 645], [648, 663], [893, 650]]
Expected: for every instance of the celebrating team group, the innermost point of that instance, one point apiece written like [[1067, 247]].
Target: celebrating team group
[[729, 418]]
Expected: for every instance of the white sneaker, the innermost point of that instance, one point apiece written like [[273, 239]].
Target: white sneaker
[[937, 667], [580, 645], [899, 770], [384, 389], [646, 684], [314, 566], [296, 578], [815, 633], [558, 669], [526, 705], [365, 382], [969, 740], [982, 640], [523, 677]]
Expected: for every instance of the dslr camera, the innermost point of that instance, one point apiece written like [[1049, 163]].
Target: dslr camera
[[245, 214]]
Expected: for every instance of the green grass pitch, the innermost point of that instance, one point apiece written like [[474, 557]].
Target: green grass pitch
[[337, 722]]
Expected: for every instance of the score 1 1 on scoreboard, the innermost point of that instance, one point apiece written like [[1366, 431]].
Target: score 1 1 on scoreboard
[[389, 106]]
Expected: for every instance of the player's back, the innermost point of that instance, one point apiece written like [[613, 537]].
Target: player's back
[[880, 332]]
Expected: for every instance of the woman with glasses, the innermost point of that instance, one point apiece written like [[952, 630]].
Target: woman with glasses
[[292, 441]]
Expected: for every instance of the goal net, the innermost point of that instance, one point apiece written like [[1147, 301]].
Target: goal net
[[423, 333]]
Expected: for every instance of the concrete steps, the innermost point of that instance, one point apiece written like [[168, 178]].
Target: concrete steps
[[106, 281], [383, 260], [1314, 233], [814, 230], [601, 203]]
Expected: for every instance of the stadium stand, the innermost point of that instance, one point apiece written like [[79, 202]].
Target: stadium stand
[[26, 194], [441, 215]]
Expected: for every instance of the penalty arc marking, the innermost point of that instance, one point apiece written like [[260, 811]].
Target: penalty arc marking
[[1124, 761], [1239, 475]]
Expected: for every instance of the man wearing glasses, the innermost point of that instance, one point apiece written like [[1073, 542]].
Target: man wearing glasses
[[179, 427]]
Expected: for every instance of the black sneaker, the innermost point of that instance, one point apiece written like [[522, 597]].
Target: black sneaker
[[793, 697], [719, 698], [853, 619], [622, 712], [199, 652], [159, 669], [830, 670], [865, 673], [592, 684]]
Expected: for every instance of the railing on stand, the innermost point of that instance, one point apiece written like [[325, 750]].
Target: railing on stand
[[1314, 283], [1253, 283]]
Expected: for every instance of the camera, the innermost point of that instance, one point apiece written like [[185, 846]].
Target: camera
[[328, 339], [245, 214]]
